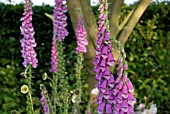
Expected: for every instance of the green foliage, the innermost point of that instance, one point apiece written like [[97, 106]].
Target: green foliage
[[148, 53]]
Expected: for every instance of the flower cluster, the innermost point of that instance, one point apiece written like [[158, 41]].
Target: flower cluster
[[81, 37], [44, 97], [44, 105], [28, 42], [124, 99], [103, 61], [60, 19], [54, 57], [115, 96]]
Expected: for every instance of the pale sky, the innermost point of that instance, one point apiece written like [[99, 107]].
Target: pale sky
[[51, 2]]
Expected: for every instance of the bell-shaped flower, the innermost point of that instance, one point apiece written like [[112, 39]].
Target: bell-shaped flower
[[106, 94], [124, 91], [110, 59], [102, 86], [111, 81], [130, 86], [119, 97], [101, 107], [124, 106], [106, 73], [109, 108], [131, 100]]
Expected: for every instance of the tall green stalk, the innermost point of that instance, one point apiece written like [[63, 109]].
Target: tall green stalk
[[30, 108], [60, 82], [78, 69]]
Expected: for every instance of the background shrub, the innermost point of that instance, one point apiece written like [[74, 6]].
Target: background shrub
[[148, 52]]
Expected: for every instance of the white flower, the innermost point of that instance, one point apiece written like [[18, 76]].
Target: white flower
[[152, 110], [140, 106], [95, 91], [74, 98]]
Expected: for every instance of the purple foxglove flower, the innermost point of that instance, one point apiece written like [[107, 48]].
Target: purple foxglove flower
[[117, 108], [106, 94], [130, 110], [118, 77], [106, 73], [28, 42], [110, 59], [124, 106], [131, 100], [119, 97], [123, 96], [104, 52], [60, 20], [100, 98], [103, 61], [44, 105], [99, 41], [54, 57], [102, 29], [101, 107], [111, 99], [120, 60], [98, 50], [104, 17], [124, 78], [120, 66], [115, 91], [102, 86], [125, 67], [99, 76], [111, 81], [100, 16], [130, 86], [101, 24], [106, 6], [97, 69], [119, 85], [81, 37], [109, 108], [98, 57], [124, 92]]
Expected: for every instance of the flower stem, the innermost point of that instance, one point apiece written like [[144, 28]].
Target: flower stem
[[78, 69], [30, 91], [32, 108]]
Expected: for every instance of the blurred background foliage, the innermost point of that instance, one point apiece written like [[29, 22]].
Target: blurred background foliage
[[148, 53]]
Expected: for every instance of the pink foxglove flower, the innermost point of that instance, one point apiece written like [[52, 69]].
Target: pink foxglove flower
[[60, 19], [81, 37], [123, 91], [28, 42], [54, 57], [44, 105]]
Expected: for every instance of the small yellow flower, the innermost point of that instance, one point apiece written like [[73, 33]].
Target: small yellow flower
[[71, 92], [44, 76], [24, 89]]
